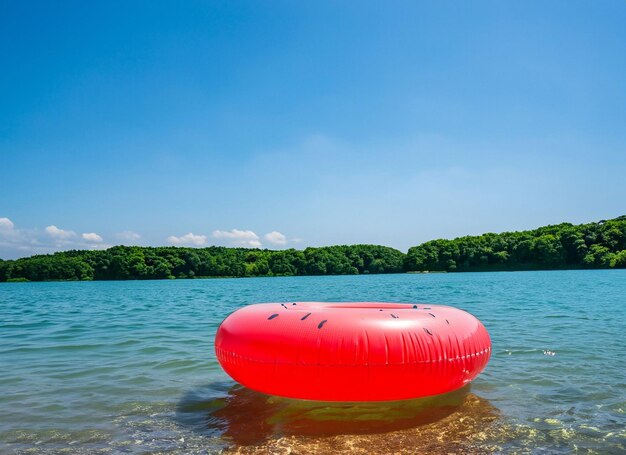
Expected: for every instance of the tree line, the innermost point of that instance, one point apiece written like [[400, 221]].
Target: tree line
[[562, 246], [138, 263]]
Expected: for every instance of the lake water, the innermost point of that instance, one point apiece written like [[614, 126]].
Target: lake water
[[129, 367]]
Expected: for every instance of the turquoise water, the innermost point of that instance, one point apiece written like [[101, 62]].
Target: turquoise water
[[128, 367]]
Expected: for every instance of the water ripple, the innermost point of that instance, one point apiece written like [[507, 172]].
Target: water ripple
[[128, 367]]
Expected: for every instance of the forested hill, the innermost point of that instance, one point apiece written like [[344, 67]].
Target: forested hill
[[562, 246]]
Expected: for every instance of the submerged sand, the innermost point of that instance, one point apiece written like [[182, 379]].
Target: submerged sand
[[464, 430], [458, 422]]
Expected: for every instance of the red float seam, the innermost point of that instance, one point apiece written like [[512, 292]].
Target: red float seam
[[249, 359]]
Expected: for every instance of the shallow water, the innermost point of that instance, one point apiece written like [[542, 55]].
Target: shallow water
[[128, 367]]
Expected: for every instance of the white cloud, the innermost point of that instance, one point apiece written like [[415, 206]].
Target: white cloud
[[16, 242], [91, 237], [95, 246], [187, 239], [6, 224], [128, 236], [57, 233], [9, 236], [239, 237], [276, 238]]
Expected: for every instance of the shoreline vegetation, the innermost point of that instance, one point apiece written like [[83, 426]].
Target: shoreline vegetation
[[597, 245]]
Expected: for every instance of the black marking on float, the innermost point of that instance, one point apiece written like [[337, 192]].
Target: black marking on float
[[428, 331], [394, 316], [283, 305], [447, 322], [415, 307], [275, 315], [427, 308], [305, 316], [321, 324], [293, 303], [432, 314]]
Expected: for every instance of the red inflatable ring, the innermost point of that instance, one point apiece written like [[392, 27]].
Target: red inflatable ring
[[362, 351]]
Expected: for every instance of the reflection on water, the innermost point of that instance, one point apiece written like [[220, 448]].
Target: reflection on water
[[251, 421]]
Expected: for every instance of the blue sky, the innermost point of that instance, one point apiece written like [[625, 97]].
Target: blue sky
[[200, 123]]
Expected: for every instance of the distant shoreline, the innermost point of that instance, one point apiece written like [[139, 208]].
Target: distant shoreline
[[312, 276], [600, 245]]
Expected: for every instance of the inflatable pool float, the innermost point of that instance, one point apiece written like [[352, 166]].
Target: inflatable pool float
[[361, 351]]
